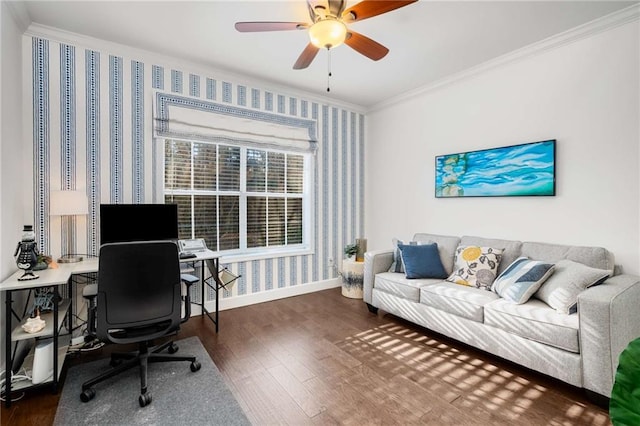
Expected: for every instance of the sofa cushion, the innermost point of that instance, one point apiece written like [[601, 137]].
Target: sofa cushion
[[569, 279], [422, 261], [596, 257], [466, 302], [399, 285], [447, 246], [521, 279], [534, 320], [510, 248], [476, 266]]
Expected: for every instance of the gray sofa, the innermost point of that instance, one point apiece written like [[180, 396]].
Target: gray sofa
[[581, 349]]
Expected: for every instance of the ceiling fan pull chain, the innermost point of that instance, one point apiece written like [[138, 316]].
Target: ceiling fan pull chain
[[329, 68]]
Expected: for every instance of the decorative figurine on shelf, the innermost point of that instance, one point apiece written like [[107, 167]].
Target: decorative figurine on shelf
[[34, 323], [27, 254]]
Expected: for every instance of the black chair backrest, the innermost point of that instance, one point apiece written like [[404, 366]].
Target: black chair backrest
[[139, 290]]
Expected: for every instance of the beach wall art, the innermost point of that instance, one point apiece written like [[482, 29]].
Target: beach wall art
[[518, 170]]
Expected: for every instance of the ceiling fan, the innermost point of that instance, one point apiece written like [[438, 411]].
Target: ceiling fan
[[328, 27]]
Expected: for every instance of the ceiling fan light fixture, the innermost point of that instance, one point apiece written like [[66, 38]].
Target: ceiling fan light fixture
[[328, 33]]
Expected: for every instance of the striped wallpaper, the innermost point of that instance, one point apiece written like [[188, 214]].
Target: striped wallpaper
[[92, 130]]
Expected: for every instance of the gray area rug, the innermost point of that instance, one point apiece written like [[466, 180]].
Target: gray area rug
[[179, 396]]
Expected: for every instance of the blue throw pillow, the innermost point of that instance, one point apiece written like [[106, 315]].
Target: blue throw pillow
[[397, 265], [422, 261]]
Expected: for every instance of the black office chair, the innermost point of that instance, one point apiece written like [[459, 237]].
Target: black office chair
[[138, 300]]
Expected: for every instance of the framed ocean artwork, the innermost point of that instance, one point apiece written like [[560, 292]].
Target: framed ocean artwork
[[519, 170]]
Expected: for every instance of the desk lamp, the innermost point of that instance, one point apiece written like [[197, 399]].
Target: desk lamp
[[69, 204]]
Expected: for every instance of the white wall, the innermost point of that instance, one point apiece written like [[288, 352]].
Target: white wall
[[12, 197], [585, 94]]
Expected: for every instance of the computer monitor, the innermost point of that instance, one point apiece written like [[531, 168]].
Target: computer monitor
[[138, 222]]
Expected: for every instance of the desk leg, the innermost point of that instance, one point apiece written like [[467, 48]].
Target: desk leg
[[7, 347], [216, 282], [70, 287], [56, 333], [216, 279], [202, 293]]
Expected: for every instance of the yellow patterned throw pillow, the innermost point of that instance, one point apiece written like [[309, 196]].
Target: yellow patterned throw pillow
[[476, 266]]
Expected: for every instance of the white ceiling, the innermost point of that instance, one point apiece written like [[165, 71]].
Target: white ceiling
[[428, 40]]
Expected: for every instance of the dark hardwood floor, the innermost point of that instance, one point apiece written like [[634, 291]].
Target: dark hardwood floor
[[324, 359]]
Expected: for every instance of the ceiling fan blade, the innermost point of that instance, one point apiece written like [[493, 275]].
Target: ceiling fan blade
[[336, 7], [364, 45], [306, 57], [247, 27], [370, 8]]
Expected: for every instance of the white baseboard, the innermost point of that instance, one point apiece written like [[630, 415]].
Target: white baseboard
[[266, 296]]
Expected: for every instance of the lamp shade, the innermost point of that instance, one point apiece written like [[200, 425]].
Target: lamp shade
[[69, 203], [327, 33]]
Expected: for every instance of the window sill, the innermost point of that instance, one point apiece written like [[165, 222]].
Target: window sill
[[246, 257]]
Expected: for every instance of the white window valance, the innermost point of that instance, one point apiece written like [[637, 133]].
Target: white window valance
[[181, 117]]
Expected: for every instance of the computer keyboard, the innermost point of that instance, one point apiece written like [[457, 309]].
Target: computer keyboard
[[187, 255]]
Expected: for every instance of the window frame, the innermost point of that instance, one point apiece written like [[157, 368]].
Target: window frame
[[244, 253]]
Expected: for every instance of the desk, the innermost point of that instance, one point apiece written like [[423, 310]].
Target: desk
[[203, 257], [54, 278], [48, 278]]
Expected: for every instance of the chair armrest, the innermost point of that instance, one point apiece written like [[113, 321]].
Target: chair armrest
[[374, 262], [608, 322], [188, 280], [90, 291]]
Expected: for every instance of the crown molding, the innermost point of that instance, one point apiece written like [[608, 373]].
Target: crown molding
[[88, 42], [19, 13], [589, 29]]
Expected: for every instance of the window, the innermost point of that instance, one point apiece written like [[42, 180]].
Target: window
[[239, 199]]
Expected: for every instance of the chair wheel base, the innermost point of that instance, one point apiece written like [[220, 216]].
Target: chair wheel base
[[87, 395], [173, 348], [145, 399], [195, 366]]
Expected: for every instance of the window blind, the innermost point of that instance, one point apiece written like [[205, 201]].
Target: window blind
[[232, 207], [181, 117]]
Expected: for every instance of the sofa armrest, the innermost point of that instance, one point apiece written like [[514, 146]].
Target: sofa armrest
[[374, 262], [608, 322]]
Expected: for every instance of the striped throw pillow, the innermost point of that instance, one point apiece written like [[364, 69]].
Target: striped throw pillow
[[522, 279]]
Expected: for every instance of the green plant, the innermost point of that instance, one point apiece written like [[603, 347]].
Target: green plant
[[350, 250], [624, 405], [43, 262]]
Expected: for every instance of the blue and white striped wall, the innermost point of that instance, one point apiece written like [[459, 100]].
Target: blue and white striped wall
[[92, 130]]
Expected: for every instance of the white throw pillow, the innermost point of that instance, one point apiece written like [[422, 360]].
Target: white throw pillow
[[569, 279]]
